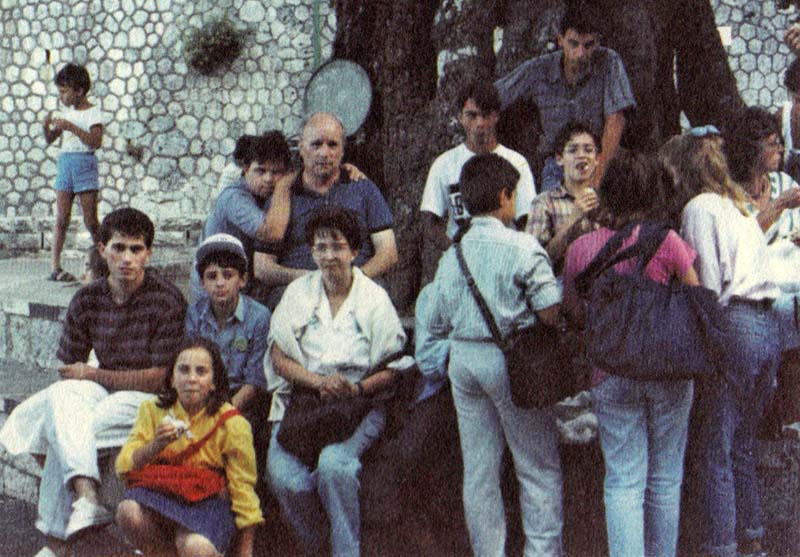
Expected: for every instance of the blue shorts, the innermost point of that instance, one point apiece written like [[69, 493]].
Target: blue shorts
[[77, 173]]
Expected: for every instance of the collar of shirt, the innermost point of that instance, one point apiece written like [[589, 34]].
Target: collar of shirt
[[299, 189], [207, 314], [487, 221], [561, 192], [556, 70], [322, 310]]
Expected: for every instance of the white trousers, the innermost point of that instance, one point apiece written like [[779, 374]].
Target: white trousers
[[487, 420], [68, 422]]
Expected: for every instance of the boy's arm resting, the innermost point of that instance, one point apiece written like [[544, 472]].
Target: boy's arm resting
[[385, 253], [149, 380], [254, 364], [92, 139], [273, 227], [267, 269], [612, 133]]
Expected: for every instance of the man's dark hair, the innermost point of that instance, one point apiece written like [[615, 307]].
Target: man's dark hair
[[241, 146], [570, 130], [128, 222], [582, 17], [632, 188], [483, 177], [336, 218], [75, 76], [791, 80], [483, 94], [743, 140], [270, 147], [221, 392]]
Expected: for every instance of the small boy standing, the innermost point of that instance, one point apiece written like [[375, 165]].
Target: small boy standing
[[238, 325], [77, 164]]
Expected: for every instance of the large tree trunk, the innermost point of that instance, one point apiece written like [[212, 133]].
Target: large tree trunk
[[419, 53]]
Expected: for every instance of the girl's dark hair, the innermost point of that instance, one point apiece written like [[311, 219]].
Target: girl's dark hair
[[218, 396], [334, 218], [743, 141], [632, 188]]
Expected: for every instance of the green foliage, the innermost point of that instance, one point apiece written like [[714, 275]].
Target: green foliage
[[213, 46]]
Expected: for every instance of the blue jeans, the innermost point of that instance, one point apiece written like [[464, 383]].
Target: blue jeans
[[642, 427], [323, 504], [727, 432], [552, 175]]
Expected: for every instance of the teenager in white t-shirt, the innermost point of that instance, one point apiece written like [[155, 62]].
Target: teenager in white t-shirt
[[441, 207], [77, 165]]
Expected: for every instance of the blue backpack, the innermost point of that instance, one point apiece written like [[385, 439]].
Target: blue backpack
[[641, 329]]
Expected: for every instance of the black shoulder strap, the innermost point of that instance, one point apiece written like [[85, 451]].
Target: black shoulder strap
[[476, 293], [651, 236]]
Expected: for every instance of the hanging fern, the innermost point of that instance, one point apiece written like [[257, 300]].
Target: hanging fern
[[213, 46]]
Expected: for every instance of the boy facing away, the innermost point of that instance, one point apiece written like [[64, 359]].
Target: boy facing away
[[80, 126]]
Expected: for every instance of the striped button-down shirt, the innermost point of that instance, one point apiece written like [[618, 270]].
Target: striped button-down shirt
[[512, 272]]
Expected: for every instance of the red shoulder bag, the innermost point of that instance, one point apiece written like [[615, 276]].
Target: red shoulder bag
[[188, 483]]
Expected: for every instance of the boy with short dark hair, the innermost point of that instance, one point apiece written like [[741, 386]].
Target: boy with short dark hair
[[581, 81], [238, 325], [239, 209], [77, 165], [558, 216], [133, 320]]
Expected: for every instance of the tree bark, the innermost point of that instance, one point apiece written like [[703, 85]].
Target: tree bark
[[418, 54]]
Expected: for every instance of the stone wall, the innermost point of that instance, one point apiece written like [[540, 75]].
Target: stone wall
[[757, 54], [184, 124]]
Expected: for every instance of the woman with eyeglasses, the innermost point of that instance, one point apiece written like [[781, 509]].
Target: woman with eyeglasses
[[331, 327], [733, 261], [754, 150]]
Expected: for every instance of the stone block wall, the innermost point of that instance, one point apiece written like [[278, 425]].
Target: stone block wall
[[185, 124], [757, 54]]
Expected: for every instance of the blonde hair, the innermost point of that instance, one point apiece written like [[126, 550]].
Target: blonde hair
[[698, 165]]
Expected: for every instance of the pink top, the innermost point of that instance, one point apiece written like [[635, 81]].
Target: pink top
[[674, 257]]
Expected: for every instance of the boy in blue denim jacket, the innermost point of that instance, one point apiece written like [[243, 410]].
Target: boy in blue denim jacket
[[238, 325]]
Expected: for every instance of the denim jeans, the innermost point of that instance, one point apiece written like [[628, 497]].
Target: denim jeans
[[552, 175], [323, 504], [642, 426], [727, 432], [487, 420]]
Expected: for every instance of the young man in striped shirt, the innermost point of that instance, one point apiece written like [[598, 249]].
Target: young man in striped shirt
[[133, 320]]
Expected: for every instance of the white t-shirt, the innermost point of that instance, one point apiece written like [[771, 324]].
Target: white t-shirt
[[732, 255], [84, 119], [231, 174], [443, 196]]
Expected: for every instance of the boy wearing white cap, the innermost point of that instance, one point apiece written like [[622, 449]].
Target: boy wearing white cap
[[238, 324]]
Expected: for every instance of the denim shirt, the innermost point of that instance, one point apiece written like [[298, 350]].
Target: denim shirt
[[243, 341], [603, 90]]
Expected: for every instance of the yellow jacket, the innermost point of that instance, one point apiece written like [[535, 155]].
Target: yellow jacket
[[230, 448]]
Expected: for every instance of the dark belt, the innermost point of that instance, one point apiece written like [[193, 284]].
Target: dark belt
[[764, 304]]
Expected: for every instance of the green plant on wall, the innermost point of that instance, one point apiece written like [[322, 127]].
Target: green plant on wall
[[213, 46]]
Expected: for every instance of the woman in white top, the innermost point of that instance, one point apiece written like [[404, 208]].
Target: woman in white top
[[330, 328], [789, 116], [733, 262]]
